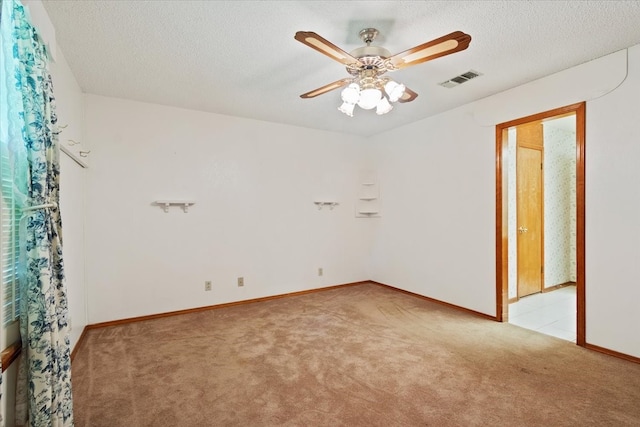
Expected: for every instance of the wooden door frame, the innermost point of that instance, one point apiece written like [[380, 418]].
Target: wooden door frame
[[502, 275]]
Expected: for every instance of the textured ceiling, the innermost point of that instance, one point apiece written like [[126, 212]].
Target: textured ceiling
[[240, 58]]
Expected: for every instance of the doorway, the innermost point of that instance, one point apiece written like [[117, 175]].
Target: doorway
[[527, 237]]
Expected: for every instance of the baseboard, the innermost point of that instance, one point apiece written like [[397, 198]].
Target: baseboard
[[612, 353], [457, 307], [512, 300], [559, 286], [216, 306]]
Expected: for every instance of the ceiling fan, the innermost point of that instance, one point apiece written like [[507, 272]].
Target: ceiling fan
[[367, 65]]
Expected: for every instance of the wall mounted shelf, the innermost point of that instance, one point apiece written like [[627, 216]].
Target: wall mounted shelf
[[165, 204], [367, 214], [368, 203]]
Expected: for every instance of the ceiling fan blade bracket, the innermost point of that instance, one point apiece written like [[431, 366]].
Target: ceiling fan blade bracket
[[355, 68], [388, 65]]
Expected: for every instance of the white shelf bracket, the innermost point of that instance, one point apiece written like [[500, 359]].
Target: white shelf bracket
[[321, 204], [166, 204]]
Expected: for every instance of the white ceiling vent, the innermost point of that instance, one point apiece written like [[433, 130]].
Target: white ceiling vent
[[458, 80]]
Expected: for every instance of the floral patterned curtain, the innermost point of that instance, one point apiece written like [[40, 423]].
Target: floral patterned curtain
[[44, 378]]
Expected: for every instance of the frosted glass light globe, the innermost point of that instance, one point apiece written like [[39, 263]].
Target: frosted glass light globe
[[394, 90], [347, 108], [383, 107], [351, 93], [369, 98]]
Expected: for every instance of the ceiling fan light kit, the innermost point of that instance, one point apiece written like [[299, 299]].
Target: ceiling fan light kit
[[367, 87], [367, 93]]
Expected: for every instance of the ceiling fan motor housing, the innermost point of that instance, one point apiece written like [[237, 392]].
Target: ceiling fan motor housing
[[371, 57]]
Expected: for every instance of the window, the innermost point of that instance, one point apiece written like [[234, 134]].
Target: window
[[10, 226], [10, 213]]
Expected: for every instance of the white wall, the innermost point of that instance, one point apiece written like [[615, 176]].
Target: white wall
[[72, 181], [437, 235], [69, 108], [254, 184], [613, 213]]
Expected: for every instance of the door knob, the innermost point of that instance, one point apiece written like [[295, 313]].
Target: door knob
[[522, 230]]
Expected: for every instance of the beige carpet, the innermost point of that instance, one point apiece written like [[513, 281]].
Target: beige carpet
[[362, 355]]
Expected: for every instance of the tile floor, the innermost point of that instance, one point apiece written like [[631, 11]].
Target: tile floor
[[551, 313]]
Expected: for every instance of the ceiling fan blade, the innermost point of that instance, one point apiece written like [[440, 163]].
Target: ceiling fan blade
[[326, 88], [408, 95], [442, 46], [318, 43]]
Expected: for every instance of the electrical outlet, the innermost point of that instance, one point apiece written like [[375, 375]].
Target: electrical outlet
[[240, 281], [320, 272], [207, 285]]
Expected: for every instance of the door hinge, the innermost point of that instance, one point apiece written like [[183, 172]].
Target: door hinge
[[542, 270], [541, 168]]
